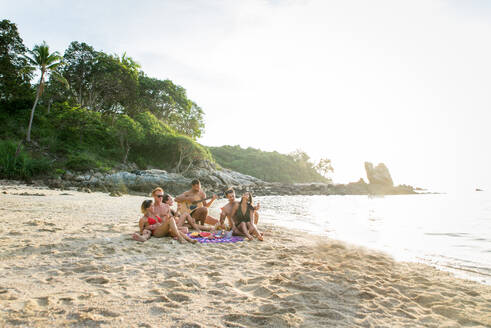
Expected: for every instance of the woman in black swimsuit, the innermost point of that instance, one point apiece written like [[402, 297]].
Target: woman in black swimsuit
[[244, 217]]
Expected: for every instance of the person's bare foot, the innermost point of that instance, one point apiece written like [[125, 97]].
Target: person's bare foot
[[181, 240], [137, 237], [193, 241]]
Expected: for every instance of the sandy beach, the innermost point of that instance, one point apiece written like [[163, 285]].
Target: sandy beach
[[67, 259]]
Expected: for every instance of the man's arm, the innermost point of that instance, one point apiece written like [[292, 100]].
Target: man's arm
[[208, 204], [223, 215]]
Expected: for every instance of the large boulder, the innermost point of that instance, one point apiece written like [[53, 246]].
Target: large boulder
[[378, 175]]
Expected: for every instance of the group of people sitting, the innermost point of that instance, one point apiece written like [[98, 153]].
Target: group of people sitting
[[160, 220]]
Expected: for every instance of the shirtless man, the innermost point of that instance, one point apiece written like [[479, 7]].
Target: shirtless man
[[194, 194], [229, 209]]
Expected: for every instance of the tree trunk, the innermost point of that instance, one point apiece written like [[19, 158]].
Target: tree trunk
[[127, 152], [188, 167], [49, 105], [181, 157], [28, 138]]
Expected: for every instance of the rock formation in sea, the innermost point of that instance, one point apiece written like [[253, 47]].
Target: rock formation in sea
[[378, 175]]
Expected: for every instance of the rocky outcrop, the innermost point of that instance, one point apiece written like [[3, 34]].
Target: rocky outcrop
[[217, 180], [146, 180], [378, 175], [380, 181]]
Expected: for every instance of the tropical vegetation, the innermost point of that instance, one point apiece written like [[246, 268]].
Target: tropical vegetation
[[89, 110], [272, 166]]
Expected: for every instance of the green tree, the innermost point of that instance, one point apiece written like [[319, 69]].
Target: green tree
[[57, 90], [129, 132], [169, 102], [115, 83], [46, 62], [324, 166], [15, 72], [299, 156], [80, 65]]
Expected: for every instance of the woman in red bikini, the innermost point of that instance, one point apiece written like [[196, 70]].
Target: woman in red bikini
[[157, 227]]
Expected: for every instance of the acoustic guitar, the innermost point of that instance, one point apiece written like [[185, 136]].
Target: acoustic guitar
[[188, 207]]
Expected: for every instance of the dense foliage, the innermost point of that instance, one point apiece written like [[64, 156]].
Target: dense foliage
[[15, 71], [95, 111], [268, 166]]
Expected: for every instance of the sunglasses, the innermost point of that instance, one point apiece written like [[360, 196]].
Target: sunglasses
[[160, 196]]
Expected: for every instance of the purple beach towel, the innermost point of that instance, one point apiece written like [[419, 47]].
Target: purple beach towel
[[203, 240]]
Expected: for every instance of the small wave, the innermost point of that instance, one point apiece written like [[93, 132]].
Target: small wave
[[447, 234]]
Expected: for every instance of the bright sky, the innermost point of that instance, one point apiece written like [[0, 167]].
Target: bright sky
[[406, 83]]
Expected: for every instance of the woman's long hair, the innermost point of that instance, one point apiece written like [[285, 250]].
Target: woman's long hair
[[249, 201]]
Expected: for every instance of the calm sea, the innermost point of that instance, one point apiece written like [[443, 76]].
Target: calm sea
[[450, 232]]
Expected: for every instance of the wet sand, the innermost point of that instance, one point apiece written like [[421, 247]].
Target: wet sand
[[67, 259]]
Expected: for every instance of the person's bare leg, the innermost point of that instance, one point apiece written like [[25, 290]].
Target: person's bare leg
[[189, 239], [181, 220], [143, 237], [243, 229], [252, 227], [191, 221], [163, 229], [256, 217], [200, 214], [236, 231], [174, 231]]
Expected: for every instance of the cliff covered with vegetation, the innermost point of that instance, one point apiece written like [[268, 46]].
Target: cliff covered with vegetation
[[272, 166]]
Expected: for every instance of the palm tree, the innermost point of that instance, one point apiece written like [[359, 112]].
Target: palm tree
[[47, 63]]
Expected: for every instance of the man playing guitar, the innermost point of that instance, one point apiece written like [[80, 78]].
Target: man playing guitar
[[199, 211]]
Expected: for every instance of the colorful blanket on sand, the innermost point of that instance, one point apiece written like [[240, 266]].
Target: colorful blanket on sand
[[218, 239]]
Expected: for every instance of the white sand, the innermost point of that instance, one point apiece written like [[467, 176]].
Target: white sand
[[68, 260]]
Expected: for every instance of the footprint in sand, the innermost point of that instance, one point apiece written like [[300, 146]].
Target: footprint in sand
[[43, 301], [159, 299], [172, 283], [97, 280], [157, 310], [330, 314], [66, 300], [248, 319], [107, 313], [86, 296], [216, 292], [179, 297], [190, 325], [7, 296]]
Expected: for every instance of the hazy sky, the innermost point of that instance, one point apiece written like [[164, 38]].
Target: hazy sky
[[406, 83]]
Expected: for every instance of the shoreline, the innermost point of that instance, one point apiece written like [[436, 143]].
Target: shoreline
[[79, 266], [138, 183]]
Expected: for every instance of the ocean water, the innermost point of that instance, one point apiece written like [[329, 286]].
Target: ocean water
[[451, 232]]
